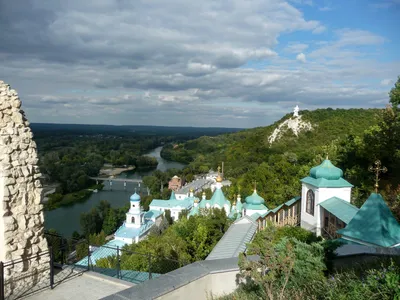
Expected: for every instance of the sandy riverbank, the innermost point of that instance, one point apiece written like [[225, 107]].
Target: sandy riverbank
[[110, 171]]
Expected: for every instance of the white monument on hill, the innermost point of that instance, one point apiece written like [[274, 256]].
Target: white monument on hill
[[296, 111]]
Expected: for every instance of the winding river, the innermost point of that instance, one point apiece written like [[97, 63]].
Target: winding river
[[66, 219]]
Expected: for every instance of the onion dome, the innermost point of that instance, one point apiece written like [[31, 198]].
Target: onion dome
[[135, 197], [254, 199], [197, 200], [327, 171]]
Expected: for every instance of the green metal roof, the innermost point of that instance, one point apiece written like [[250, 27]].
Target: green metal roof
[[325, 183], [254, 198], [239, 206], [326, 170], [326, 175], [340, 208], [292, 201], [255, 216], [374, 223], [218, 198], [194, 211]]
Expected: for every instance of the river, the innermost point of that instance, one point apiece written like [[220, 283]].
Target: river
[[66, 219]]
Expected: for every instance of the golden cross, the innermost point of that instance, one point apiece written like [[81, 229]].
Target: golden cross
[[377, 170], [255, 185], [219, 169]]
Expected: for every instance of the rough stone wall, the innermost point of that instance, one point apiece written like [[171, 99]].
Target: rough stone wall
[[21, 216]]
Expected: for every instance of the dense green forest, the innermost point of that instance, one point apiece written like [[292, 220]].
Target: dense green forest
[[70, 154], [353, 139]]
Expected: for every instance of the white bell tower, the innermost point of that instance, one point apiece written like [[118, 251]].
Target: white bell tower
[[134, 215]]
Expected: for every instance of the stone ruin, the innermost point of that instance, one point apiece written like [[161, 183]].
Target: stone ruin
[[21, 216]]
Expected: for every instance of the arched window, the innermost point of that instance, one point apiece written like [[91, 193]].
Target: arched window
[[310, 202], [133, 220]]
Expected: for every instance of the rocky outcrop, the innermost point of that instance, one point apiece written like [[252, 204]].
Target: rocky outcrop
[[21, 216], [295, 124]]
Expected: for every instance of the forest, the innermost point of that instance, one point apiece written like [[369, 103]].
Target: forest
[[352, 139]]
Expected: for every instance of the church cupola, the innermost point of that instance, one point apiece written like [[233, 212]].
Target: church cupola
[[255, 199], [219, 179], [326, 170], [135, 197]]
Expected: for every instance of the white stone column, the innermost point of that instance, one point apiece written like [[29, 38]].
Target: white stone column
[[21, 216]]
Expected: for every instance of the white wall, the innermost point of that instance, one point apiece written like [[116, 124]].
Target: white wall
[[249, 212], [217, 284], [314, 223]]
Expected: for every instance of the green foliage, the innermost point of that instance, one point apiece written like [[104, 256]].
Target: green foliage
[[110, 222], [168, 217], [185, 241], [289, 268], [102, 218], [97, 239]]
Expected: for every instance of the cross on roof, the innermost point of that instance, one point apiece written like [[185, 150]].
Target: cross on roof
[[255, 185], [377, 170]]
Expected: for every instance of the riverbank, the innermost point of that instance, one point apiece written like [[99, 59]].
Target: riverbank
[[114, 171], [58, 200]]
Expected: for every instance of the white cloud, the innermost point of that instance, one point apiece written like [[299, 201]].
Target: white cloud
[[296, 47], [301, 57], [319, 29], [386, 82], [181, 63]]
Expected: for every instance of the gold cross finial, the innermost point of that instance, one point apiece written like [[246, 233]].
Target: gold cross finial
[[255, 185], [219, 169], [377, 170]]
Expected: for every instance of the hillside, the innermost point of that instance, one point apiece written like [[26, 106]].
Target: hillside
[[248, 155]]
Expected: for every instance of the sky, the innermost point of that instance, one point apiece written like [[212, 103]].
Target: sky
[[208, 63]]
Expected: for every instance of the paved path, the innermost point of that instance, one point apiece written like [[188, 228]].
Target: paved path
[[82, 286]]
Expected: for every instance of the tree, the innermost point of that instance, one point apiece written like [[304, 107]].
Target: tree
[[285, 268], [91, 222], [110, 222], [394, 94], [168, 217]]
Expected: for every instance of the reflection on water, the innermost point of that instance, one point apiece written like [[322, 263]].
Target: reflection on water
[[66, 220]]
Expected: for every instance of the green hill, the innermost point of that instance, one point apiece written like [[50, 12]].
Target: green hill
[[248, 156]]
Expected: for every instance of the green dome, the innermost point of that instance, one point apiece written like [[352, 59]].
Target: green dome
[[327, 171], [254, 199]]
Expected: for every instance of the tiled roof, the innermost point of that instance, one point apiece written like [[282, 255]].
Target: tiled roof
[[340, 208], [235, 239]]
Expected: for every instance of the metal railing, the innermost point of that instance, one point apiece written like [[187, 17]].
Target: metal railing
[[70, 257]]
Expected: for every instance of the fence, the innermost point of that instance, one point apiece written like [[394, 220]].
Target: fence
[[47, 269], [115, 261], [70, 257]]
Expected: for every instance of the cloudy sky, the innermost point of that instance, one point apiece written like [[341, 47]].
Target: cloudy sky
[[229, 63]]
